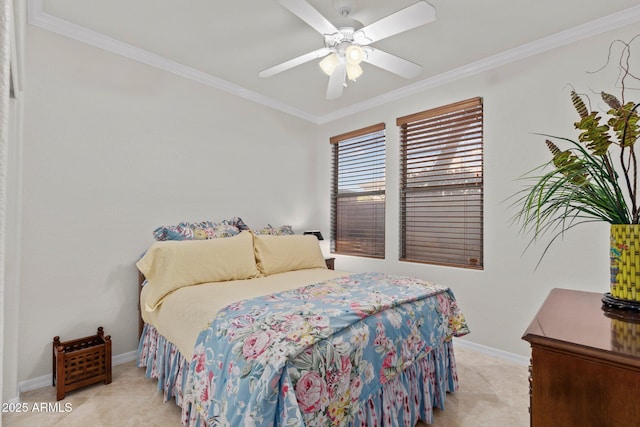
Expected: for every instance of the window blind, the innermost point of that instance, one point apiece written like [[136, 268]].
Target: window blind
[[358, 192], [441, 185]]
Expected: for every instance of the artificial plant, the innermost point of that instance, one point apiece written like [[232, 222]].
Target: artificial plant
[[596, 177]]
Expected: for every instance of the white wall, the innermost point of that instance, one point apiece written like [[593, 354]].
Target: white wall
[[113, 149], [12, 258], [519, 99]]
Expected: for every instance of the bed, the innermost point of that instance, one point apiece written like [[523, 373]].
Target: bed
[[254, 330]]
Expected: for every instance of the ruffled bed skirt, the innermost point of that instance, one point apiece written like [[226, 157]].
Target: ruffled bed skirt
[[407, 398]]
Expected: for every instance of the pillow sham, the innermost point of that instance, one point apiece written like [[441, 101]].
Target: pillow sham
[[200, 230], [277, 254], [170, 265], [284, 230], [237, 222]]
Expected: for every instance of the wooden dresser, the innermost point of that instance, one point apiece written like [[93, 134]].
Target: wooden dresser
[[585, 363]]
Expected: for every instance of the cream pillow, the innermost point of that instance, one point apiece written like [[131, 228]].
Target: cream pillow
[[276, 254], [170, 265]]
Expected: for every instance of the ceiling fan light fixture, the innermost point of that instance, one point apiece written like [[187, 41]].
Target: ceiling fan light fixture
[[354, 54], [329, 64], [348, 44], [353, 71]]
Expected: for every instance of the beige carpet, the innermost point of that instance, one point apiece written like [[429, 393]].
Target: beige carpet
[[493, 392]]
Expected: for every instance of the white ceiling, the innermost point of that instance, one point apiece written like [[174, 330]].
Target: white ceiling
[[226, 43]]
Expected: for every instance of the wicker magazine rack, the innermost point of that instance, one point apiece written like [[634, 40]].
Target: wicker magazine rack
[[81, 362]]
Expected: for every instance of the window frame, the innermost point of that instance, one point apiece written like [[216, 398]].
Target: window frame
[[431, 133], [348, 142]]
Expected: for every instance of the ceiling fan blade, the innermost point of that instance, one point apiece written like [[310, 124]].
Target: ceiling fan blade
[[319, 53], [392, 63], [413, 16], [310, 15], [336, 81]]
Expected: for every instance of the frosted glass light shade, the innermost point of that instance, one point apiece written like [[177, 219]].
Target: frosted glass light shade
[[329, 64], [354, 54], [353, 71]]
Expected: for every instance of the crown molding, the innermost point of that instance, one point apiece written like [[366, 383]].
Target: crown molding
[[571, 35], [39, 18]]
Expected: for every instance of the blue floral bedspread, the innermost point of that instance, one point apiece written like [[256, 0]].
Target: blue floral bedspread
[[306, 356]]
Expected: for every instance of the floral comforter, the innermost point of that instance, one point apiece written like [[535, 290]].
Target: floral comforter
[[306, 356]]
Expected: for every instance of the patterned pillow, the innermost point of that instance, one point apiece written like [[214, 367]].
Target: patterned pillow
[[238, 223], [284, 230], [182, 231], [199, 230]]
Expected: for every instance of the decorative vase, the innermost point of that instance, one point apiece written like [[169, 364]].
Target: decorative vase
[[625, 267]]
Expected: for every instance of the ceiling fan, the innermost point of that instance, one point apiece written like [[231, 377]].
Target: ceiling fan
[[346, 46]]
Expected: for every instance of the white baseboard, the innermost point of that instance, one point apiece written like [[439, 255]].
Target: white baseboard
[[14, 400], [490, 351], [46, 380], [119, 359]]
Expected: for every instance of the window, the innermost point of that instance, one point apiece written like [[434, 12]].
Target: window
[[441, 185], [358, 192]]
